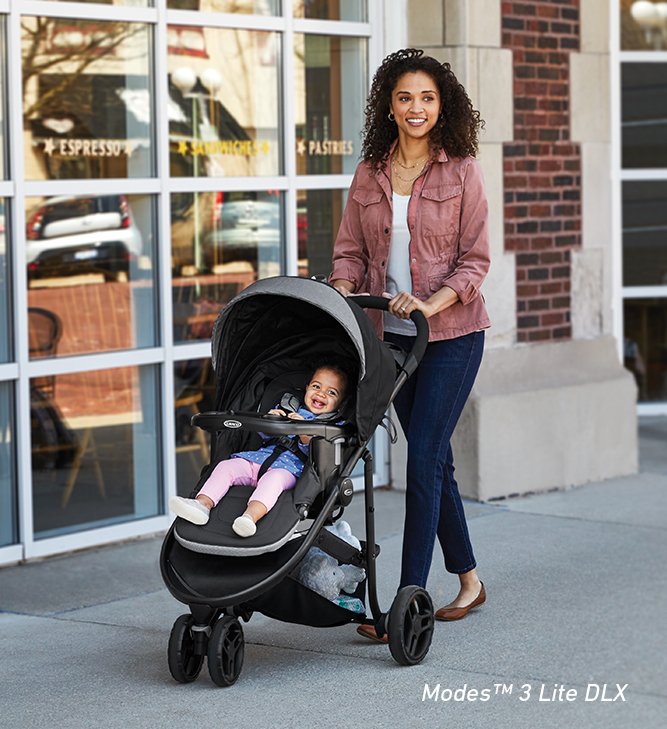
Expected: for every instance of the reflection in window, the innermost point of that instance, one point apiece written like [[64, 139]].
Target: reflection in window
[[194, 392], [132, 3], [8, 530], [645, 233], [94, 439], [643, 26], [330, 90], [255, 7], [644, 114], [87, 106], [350, 10], [319, 213], [221, 243], [5, 307], [223, 105], [645, 346], [91, 266]]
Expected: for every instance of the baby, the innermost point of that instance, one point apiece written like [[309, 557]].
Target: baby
[[324, 395]]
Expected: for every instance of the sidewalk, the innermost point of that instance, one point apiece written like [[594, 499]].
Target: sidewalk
[[577, 596]]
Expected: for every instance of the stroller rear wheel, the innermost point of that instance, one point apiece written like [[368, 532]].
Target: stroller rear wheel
[[410, 625], [184, 663], [226, 648]]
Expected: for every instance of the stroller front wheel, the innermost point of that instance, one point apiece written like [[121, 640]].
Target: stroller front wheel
[[410, 625], [226, 648], [184, 663]]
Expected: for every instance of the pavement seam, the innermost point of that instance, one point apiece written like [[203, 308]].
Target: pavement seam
[[588, 521]]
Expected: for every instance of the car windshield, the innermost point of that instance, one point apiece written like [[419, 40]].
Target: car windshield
[[79, 207]]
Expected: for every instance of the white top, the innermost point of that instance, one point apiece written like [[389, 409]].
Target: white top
[[398, 266]]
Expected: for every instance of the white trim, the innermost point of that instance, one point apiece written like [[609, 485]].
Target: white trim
[[651, 409], [641, 56], [11, 554], [290, 261], [655, 173], [204, 19], [6, 188], [196, 350], [331, 27], [94, 362], [51, 188], [226, 184], [9, 371], [616, 196], [645, 292], [323, 182], [4, 6], [96, 537], [93, 12]]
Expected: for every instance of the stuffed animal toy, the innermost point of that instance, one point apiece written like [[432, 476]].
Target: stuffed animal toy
[[321, 572]]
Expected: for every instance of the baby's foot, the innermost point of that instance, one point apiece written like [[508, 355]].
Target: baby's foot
[[189, 509], [244, 526]]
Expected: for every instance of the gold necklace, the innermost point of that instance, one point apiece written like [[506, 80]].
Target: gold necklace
[[409, 180], [409, 167]]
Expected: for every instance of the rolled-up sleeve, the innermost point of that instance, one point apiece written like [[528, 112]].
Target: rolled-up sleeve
[[473, 251], [350, 256]]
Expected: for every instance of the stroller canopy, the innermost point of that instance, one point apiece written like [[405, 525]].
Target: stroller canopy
[[286, 324]]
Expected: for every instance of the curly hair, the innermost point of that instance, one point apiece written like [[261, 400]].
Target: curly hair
[[457, 128]]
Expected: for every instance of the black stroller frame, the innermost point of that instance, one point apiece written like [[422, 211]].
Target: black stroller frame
[[208, 570]]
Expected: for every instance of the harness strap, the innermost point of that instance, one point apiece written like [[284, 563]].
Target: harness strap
[[280, 445]]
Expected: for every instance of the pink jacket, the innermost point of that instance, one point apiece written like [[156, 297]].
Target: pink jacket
[[449, 246]]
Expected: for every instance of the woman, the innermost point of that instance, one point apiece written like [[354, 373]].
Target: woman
[[415, 230]]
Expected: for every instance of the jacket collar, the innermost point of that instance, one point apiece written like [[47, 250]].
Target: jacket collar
[[383, 174]]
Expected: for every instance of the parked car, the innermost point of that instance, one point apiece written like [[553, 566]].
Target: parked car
[[80, 234]]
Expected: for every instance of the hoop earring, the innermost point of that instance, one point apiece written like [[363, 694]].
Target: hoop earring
[[391, 116]]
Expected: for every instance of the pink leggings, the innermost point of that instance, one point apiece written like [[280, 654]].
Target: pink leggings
[[239, 472]]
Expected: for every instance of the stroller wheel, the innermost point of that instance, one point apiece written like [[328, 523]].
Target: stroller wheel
[[226, 648], [184, 663], [410, 625]]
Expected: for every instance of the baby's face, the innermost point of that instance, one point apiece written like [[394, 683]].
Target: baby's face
[[324, 393]]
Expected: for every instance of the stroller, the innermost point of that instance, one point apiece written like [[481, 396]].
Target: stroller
[[264, 343]]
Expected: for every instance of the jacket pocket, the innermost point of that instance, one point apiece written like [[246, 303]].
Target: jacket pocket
[[441, 210], [370, 213]]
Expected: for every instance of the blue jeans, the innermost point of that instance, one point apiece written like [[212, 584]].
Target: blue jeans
[[428, 407]]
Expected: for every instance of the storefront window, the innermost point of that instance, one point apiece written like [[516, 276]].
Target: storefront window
[[8, 531], [255, 7], [95, 438], [645, 233], [221, 243], [330, 90], [645, 346], [87, 99], [644, 114], [91, 273], [643, 25], [319, 213], [223, 106], [126, 3], [350, 10], [5, 303], [194, 392]]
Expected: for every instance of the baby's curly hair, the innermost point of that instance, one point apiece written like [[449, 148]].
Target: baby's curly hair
[[457, 128]]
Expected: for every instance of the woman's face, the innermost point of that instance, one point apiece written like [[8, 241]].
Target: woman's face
[[415, 102]]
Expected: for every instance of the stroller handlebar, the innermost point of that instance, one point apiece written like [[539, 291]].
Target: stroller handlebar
[[419, 320], [268, 424]]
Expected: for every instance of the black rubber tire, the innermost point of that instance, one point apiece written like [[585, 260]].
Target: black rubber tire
[[184, 665], [226, 648], [410, 625]]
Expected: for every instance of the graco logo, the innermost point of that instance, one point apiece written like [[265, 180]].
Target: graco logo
[[232, 424]]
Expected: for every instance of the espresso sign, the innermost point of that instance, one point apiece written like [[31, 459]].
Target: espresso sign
[[88, 147]]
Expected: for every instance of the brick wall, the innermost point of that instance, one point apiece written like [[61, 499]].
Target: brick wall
[[542, 167]]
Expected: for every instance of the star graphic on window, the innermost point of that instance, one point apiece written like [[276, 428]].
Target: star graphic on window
[[182, 148], [301, 147], [49, 146]]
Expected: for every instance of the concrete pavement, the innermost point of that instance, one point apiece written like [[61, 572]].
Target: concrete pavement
[[577, 599]]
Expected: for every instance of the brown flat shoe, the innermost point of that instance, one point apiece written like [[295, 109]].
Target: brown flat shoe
[[368, 631], [456, 613]]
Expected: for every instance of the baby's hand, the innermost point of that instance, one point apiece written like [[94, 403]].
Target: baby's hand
[[277, 411], [295, 416]]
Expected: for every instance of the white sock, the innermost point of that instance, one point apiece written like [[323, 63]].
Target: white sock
[[244, 526], [189, 509]]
